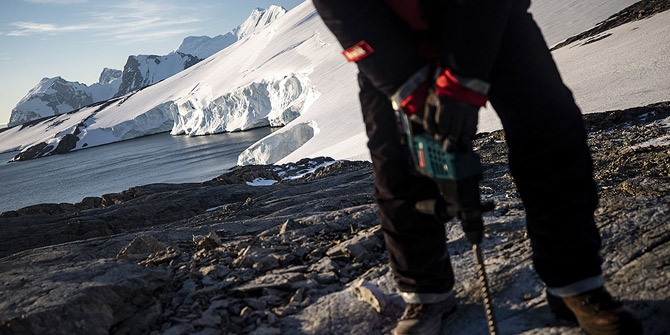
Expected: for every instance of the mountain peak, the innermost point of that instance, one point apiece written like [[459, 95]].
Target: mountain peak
[[109, 75], [258, 20], [205, 46]]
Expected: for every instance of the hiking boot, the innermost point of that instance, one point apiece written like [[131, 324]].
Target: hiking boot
[[424, 319], [597, 313]]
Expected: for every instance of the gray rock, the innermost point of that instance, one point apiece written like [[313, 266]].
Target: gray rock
[[180, 329], [215, 271], [289, 225], [280, 281], [359, 248], [160, 257], [209, 241], [241, 275], [367, 292], [324, 265], [266, 331]]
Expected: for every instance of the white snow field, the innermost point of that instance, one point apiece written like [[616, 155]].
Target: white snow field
[[562, 19], [292, 74], [628, 68]]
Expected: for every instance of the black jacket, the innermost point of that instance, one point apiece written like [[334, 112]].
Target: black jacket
[[405, 35]]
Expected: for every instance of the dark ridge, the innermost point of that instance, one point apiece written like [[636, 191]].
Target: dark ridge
[[637, 11]]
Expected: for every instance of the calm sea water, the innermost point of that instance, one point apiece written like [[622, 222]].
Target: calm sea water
[[118, 166]]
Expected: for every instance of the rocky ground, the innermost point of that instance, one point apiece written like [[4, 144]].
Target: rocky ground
[[305, 256]]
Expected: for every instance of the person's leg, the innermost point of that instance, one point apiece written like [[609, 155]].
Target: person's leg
[[415, 242], [552, 167], [549, 157]]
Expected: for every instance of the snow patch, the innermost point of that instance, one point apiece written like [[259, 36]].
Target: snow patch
[[261, 182], [292, 171], [313, 166], [662, 141], [665, 122], [273, 148], [274, 102]]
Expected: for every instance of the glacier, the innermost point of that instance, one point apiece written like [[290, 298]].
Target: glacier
[[274, 148], [273, 102]]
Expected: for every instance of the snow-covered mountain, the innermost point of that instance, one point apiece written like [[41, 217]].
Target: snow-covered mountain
[[108, 84], [293, 70], [258, 21], [52, 96], [144, 70], [205, 46]]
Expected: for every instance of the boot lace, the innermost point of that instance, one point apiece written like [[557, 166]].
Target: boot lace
[[412, 311]]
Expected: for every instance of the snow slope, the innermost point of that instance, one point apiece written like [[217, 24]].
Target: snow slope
[[593, 93], [562, 19], [292, 72], [627, 68]]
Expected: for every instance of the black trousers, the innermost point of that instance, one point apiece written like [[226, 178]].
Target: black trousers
[[549, 160]]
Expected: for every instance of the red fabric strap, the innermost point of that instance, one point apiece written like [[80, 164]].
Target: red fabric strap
[[357, 52], [417, 100], [447, 85]]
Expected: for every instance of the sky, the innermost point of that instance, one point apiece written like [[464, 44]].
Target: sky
[[77, 39]]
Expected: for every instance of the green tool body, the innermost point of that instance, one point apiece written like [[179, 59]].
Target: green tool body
[[457, 176]]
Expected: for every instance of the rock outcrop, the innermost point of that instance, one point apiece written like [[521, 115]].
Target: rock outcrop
[[305, 255], [143, 70]]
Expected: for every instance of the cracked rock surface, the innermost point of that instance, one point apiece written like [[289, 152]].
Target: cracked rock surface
[[305, 255]]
